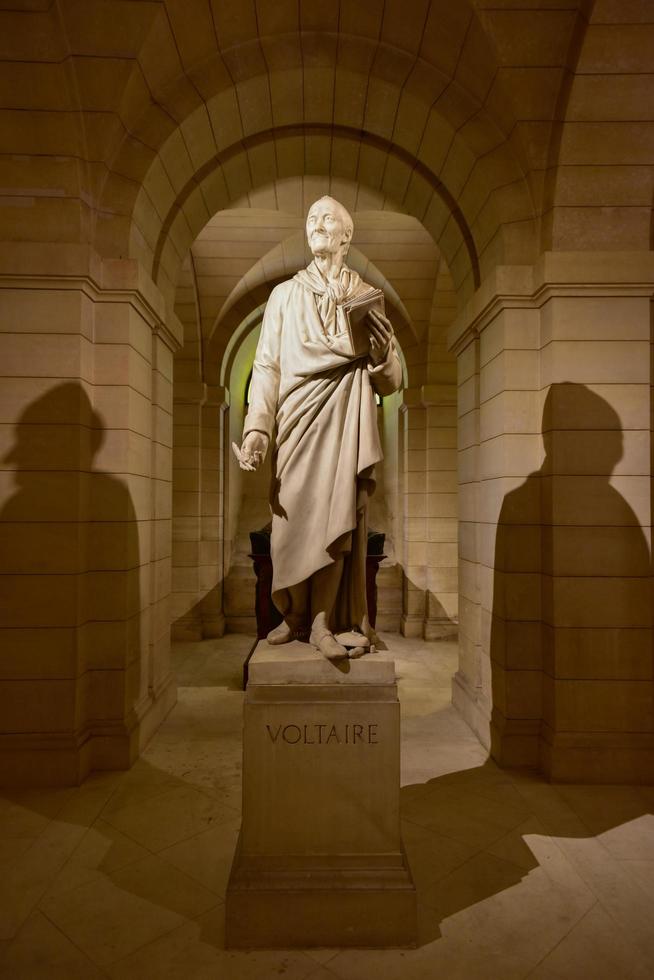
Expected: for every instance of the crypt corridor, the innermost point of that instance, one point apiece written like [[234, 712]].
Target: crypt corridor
[[158, 158]]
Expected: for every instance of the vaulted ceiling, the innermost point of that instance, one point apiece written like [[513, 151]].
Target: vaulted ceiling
[[502, 127]]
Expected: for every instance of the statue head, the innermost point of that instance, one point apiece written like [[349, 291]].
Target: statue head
[[329, 227]]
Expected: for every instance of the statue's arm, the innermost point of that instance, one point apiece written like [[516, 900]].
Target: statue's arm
[[264, 388]]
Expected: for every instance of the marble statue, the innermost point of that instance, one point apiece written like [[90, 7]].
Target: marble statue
[[315, 390]]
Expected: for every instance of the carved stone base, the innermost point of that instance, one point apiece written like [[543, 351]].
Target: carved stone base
[[320, 860], [313, 906]]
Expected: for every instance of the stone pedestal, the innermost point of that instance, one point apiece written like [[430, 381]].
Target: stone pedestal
[[319, 860]]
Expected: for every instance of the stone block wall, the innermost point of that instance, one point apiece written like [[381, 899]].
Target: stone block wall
[[85, 514], [555, 573]]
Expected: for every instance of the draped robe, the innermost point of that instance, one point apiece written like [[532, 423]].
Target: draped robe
[[317, 399]]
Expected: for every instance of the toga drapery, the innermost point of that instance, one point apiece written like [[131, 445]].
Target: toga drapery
[[318, 399]]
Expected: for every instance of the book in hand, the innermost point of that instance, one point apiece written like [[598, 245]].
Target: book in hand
[[356, 310]]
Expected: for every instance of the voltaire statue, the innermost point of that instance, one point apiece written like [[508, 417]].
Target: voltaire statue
[[317, 396]]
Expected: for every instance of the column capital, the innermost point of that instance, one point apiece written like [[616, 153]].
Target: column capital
[[425, 396], [47, 266], [199, 393], [580, 274]]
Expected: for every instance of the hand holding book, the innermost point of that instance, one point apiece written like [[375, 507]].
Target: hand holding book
[[381, 331], [369, 327]]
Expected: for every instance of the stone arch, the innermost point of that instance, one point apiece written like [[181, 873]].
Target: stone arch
[[433, 205], [282, 204], [419, 130], [600, 182], [244, 305], [149, 105]]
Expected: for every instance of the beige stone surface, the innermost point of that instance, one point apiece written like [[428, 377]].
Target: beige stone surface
[[531, 567], [514, 876], [466, 141], [74, 450], [320, 860]]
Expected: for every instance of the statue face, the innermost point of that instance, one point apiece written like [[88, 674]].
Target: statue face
[[326, 227]]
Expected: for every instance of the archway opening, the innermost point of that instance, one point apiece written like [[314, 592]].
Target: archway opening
[[223, 285]]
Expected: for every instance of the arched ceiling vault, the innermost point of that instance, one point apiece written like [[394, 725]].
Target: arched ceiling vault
[[400, 94], [482, 117], [412, 172]]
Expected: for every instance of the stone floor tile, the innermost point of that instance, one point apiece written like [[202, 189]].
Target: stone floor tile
[[207, 857], [198, 763], [613, 886], [196, 950], [108, 922], [142, 782], [322, 973], [633, 839], [515, 877], [593, 948], [13, 847], [25, 879], [159, 882], [642, 872], [480, 877], [19, 807], [102, 849], [18, 820], [462, 816], [555, 865], [205, 712], [602, 807], [430, 855], [387, 964], [41, 952], [170, 817], [322, 956]]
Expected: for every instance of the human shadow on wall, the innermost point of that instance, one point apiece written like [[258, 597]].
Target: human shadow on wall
[[570, 553], [70, 551]]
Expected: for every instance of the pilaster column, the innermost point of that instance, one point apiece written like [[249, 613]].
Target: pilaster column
[[212, 484], [442, 611], [85, 519], [430, 598], [559, 532], [413, 450], [471, 689], [197, 600]]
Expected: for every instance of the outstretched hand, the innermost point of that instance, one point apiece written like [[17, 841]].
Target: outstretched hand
[[252, 452], [381, 332]]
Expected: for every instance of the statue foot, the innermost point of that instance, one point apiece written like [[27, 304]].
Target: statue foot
[[329, 646], [281, 634], [355, 652], [351, 638]]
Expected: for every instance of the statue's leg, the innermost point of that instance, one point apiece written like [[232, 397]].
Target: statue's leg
[[324, 590], [295, 615]]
